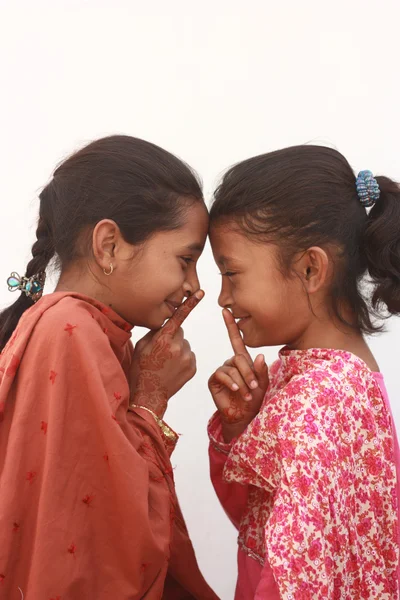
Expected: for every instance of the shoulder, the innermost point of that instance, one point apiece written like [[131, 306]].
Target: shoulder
[[305, 388], [69, 319], [304, 403]]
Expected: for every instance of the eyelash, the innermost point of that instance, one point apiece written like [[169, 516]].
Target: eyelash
[[228, 274], [186, 259]]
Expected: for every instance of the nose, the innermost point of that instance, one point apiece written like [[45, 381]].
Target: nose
[[192, 283], [224, 298]]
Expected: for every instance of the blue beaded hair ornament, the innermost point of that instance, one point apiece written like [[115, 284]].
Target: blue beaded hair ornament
[[30, 286], [367, 188]]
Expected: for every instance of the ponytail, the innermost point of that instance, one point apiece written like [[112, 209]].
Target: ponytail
[[42, 252], [381, 247]]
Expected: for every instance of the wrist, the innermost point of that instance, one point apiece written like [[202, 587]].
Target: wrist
[[169, 434], [231, 431], [156, 405]]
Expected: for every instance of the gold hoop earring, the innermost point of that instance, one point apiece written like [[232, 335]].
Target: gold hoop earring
[[110, 271]]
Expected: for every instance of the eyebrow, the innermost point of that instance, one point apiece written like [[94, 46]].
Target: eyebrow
[[225, 259], [196, 247]]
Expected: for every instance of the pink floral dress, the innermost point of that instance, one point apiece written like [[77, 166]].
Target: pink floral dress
[[312, 483]]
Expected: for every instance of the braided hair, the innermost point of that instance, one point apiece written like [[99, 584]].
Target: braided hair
[[43, 251]]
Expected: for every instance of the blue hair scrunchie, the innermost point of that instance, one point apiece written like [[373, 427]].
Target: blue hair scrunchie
[[367, 188]]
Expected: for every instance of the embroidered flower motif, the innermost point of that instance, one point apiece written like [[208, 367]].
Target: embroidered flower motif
[[88, 499], [69, 328], [30, 476]]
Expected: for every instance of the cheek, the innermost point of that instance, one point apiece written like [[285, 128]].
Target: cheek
[[167, 281], [270, 299], [250, 291]]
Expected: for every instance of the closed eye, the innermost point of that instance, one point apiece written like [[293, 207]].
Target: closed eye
[[187, 259], [228, 274]]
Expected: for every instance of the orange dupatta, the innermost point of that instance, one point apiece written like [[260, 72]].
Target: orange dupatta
[[87, 500]]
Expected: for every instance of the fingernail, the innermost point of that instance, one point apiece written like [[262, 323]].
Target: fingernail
[[248, 397], [235, 387], [199, 294], [253, 384]]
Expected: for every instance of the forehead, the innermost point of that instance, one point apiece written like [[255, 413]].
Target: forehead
[[227, 241], [191, 235], [195, 220], [229, 244]]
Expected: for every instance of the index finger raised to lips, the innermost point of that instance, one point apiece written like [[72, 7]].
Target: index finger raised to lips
[[236, 339], [181, 313]]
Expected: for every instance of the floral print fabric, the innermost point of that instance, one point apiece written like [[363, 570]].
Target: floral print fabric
[[320, 468]]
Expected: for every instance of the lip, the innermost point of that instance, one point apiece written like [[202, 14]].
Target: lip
[[172, 305], [239, 318], [240, 321]]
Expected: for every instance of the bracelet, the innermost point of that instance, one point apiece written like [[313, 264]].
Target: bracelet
[[171, 435]]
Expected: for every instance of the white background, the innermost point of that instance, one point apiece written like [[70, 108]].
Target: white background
[[214, 82]]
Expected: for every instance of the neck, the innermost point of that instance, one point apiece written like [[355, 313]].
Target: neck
[[328, 333], [82, 282]]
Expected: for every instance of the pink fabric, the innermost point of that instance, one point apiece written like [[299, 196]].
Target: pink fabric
[[239, 474], [380, 381], [254, 579]]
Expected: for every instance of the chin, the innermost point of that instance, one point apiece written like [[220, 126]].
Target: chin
[[251, 343], [154, 324], [257, 341], [151, 322], [250, 340]]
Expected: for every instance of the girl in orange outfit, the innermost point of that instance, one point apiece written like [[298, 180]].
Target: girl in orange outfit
[[87, 500]]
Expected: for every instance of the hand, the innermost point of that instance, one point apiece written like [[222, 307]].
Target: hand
[[163, 361], [238, 387]]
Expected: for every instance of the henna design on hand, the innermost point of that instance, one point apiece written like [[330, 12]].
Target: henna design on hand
[[236, 412], [171, 327], [157, 357], [150, 393], [233, 413]]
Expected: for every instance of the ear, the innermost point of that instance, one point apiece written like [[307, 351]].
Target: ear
[[313, 268], [105, 238]]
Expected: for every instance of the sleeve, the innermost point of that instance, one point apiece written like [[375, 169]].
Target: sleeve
[[90, 500], [232, 496], [184, 580], [287, 451], [158, 427]]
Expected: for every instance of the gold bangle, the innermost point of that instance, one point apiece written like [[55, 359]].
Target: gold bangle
[[163, 426]]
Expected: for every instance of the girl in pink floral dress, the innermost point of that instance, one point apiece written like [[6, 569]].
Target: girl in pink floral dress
[[304, 457]]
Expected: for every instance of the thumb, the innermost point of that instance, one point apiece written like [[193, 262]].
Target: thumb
[[261, 370]]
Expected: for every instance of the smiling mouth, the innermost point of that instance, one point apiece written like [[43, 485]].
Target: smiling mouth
[[172, 305], [241, 319]]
